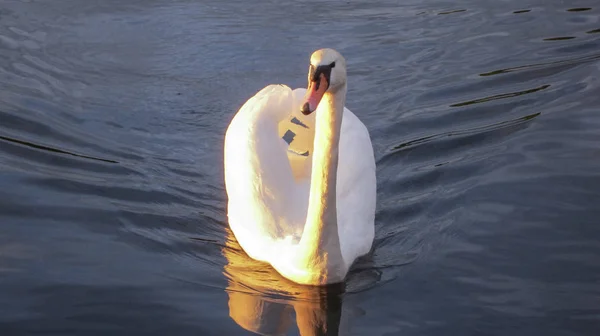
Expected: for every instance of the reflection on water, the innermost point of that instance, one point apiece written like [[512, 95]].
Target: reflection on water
[[262, 301]]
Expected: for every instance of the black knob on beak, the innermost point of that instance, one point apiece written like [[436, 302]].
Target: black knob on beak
[[305, 109]]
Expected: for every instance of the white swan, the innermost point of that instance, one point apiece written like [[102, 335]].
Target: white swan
[[302, 186]]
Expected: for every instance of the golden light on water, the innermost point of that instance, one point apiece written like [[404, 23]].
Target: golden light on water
[[262, 301]]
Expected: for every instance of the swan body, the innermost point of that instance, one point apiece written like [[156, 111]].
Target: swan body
[[301, 186]]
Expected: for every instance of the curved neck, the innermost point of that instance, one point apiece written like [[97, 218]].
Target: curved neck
[[320, 238]]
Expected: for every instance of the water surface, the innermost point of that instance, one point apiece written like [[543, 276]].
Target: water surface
[[484, 117]]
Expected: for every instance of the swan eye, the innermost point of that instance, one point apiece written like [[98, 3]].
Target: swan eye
[[315, 72]]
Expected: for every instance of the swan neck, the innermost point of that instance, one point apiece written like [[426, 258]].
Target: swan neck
[[320, 238]]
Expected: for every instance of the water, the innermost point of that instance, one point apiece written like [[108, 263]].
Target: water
[[484, 117]]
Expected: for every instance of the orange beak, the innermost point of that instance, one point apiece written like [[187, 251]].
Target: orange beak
[[314, 93]]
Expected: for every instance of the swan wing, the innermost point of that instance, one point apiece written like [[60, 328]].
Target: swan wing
[[258, 176], [356, 188]]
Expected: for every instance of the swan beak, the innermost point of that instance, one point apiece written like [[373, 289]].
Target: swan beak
[[314, 93]]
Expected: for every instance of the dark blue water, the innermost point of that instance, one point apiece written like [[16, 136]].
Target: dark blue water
[[484, 115]]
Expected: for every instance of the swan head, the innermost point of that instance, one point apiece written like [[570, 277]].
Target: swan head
[[327, 73]]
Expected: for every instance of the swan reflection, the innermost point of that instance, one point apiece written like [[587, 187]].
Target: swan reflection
[[263, 302]]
